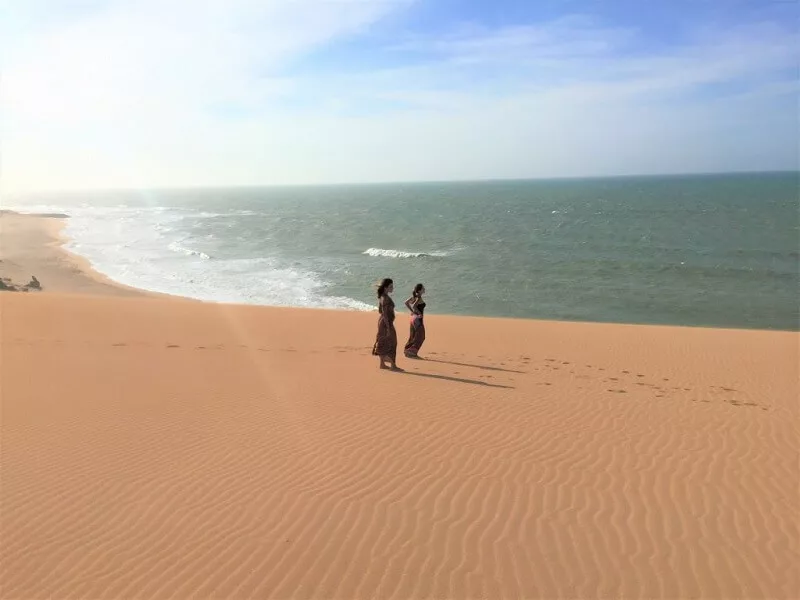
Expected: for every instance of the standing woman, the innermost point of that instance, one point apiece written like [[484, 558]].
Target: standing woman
[[386, 342], [416, 336]]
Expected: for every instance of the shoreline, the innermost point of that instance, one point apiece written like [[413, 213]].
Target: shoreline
[[74, 274], [35, 244]]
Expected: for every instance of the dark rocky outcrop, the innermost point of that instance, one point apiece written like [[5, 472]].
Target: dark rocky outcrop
[[6, 285]]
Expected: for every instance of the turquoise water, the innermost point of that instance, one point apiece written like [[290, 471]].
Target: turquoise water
[[697, 250]]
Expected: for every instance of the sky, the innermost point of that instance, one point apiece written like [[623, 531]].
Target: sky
[[139, 94]]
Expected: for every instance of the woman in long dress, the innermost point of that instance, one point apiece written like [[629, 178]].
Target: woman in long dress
[[416, 336], [386, 341]]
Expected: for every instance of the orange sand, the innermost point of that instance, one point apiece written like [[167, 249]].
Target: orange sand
[[156, 447]]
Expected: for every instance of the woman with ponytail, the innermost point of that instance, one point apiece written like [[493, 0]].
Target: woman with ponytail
[[386, 341], [416, 336]]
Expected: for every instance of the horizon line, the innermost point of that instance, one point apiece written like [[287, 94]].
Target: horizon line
[[242, 186]]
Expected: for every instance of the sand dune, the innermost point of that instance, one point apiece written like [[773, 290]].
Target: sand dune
[[156, 448]]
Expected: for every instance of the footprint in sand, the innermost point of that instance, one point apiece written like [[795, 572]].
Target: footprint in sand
[[739, 403], [173, 346], [619, 391]]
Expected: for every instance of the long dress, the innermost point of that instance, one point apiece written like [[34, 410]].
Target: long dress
[[416, 335], [386, 340]]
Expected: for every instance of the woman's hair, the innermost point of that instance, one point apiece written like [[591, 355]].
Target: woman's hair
[[417, 289], [383, 285]]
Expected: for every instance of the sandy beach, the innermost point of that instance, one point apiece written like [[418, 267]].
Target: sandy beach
[[156, 447], [34, 245]]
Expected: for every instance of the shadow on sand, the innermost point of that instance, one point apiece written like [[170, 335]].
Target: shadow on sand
[[456, 379], [458, 364]]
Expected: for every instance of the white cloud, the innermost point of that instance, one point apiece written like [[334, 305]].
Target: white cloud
[[116, 87], [566, 37], [143, 93], [148, 56]]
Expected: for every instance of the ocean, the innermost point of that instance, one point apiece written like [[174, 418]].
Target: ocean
[[712, 250]]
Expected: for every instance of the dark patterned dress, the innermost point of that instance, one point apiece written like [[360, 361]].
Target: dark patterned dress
[[416, 335], [386, 340]]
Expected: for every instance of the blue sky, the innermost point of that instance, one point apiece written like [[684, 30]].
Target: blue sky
[[147, 93]]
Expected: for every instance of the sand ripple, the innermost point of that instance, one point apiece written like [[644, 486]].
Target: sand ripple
[[160, 449]]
